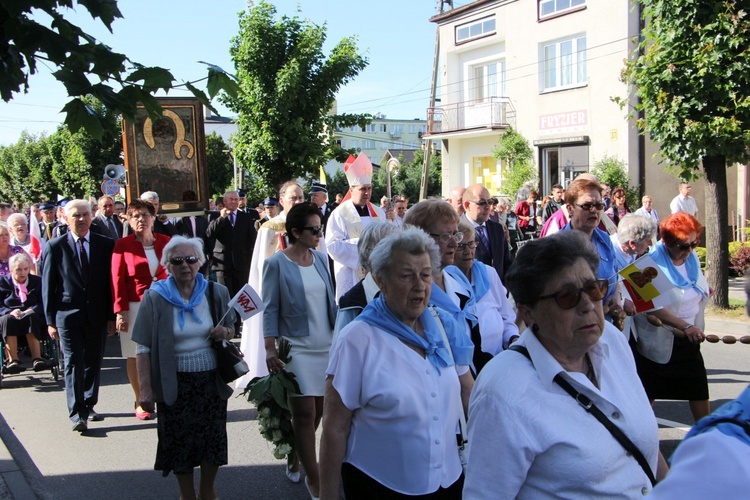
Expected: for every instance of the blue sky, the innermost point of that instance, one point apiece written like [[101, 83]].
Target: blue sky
[[395, 35]]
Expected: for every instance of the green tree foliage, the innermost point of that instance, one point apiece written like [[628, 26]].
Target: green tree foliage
[[407, 180], [84, 65], [517, 161], [613, 171], [287, 87], [39, 168], [691, 81], [220, 165]]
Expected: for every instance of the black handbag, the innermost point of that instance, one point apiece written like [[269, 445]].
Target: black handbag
[[230, 362]]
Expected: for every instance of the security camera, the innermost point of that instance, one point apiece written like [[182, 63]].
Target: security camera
[[114, 172]]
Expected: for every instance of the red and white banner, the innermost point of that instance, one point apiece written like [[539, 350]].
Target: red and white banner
[[247, 302]]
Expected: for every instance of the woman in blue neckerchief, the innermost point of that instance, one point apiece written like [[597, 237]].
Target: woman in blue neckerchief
[[682, 375], [395, 387], [176, 365]]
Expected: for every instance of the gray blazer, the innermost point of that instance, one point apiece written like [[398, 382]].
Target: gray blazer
[[284, 296], [154, 328]]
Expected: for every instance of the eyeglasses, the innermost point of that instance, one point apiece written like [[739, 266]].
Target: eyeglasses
[[177, 261], [588, 206], [568, 298], [446, 237], [480, 203], [468, 244], [687, 246], [314, 230], [141, 215]]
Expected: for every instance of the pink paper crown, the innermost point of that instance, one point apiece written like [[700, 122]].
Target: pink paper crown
[[358, 171]]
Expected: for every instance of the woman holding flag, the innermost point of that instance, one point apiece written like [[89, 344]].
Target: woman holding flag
[[683, 376], [176, 364], [300, 307]]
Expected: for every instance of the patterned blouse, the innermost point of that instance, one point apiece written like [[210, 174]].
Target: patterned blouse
[[4, 268]]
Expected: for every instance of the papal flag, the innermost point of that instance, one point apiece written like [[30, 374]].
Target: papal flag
[[648, 287]]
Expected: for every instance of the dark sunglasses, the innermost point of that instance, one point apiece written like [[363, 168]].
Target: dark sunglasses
[[688, 246], [588, 206], [569, 297], [315, 230], [177, 261], [480, 203]]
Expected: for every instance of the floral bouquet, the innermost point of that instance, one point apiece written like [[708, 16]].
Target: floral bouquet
[[270, 394]]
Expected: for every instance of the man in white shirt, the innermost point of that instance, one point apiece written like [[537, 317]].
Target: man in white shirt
[[347, 222], [683, 202], [399, 211]]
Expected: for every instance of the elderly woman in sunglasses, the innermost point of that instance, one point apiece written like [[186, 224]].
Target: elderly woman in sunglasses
[[522, 417], [583, 200], [177, 322], [680, 373], [300, 307], [451, 290]]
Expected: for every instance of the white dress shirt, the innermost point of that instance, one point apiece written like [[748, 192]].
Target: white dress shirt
[[403, 431], [497, 321], [682, 203], [530, 439]]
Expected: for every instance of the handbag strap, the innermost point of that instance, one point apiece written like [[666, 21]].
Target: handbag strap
[[461, 416], [212, 302], [590, 407]]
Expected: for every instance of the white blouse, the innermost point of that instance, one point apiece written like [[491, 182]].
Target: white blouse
[[403, 431]]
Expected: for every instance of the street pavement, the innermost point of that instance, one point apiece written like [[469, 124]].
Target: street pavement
[[42, 458]]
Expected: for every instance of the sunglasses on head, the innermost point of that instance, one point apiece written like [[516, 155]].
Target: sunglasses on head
[[588, 206], [314, 230], [177, 261], [688, 246], [569, 297]]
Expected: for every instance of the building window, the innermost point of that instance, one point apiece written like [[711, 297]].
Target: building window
[[370, 127], [477, 29], [485, 171], [368, 144], [354, 143], [423, 129], [563, 64], [385, 145], [383, 127], [355, 128], [549, 8], [487, 80], [412, 129]]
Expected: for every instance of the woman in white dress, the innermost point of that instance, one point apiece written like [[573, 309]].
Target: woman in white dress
[[300, 307]]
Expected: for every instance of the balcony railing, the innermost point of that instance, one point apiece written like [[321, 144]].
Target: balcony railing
[[493, 112]]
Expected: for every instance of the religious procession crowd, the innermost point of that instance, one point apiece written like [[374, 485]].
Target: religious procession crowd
[[454, 348]]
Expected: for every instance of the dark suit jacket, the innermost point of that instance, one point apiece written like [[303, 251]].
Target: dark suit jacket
[[185, 228], [326, 215], [69, 299], [9, 299], [233, 247], [99, 225], [43, 229], [498, 255]]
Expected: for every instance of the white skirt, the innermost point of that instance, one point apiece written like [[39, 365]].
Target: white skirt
[[127, 346]]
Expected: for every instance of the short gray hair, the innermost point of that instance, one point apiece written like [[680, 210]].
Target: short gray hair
[[540, 261], [636, 228], [411, 241], [370, 237], [17, 258], [73, 204], [178, 241], [149, 195], [17, 216]]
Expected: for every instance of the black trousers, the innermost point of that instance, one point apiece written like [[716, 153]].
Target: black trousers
[[83, 348]]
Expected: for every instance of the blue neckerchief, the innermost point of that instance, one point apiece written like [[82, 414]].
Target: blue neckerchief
[[440, 299], [481, 280], [168, 289], [660, 254], [379, 315], [732, 419]]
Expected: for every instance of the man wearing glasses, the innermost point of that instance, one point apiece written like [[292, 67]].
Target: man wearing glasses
[[492, 246]]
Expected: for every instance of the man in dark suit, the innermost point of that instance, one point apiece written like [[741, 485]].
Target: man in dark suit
[[318, 194], [492, 247], [107, 223], [234, 234], [161, 222], [77, 296]]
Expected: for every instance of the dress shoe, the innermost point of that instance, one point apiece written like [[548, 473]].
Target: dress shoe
[[94, 417], [80, 425]]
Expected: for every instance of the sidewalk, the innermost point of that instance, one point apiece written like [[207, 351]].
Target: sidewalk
[[13, 484]]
